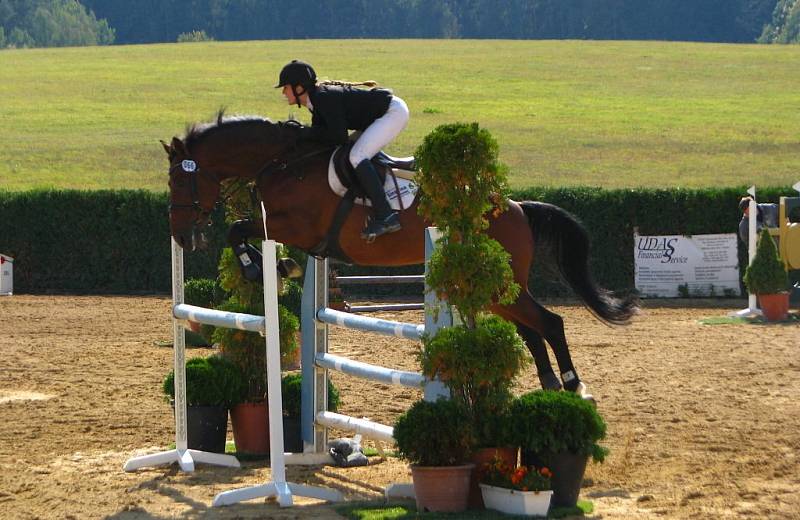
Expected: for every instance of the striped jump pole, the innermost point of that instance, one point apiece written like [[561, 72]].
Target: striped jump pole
[[316, 317], [383, 280]]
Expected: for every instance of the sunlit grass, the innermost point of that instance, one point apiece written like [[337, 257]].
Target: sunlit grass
[[611, 114]]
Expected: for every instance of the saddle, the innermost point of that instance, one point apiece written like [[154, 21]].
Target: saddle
[[351, 191], [385, 164]]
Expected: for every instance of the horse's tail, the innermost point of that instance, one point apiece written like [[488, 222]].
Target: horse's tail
[[560, 231]]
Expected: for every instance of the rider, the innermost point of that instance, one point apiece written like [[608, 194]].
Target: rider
[[337, 107]]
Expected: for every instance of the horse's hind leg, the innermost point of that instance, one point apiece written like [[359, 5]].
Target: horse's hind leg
[[550, 326], [544, 368]]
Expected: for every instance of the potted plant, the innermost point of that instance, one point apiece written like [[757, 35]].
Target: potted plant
[[559, 430], [436, 438], [766, 277], [478, 365], [213, 385], [518, 491], [247, 351], [291, 392], [461, 183]]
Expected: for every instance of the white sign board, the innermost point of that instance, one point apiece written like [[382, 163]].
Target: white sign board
[[6, 275], [678, 266]]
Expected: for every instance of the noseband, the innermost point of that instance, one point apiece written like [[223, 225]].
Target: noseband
[[190, 168]]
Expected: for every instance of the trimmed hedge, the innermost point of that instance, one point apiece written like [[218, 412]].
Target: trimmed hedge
[[118, 241], [95, 242]]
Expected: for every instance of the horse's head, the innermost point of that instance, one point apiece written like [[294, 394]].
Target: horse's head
[[193, 194]]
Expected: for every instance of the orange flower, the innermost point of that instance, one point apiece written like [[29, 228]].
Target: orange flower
[[546, 472]]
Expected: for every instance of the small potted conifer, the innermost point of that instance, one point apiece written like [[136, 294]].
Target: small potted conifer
[[436, 438], [560, 431], [766, 277], [249, 418], [213, 385]]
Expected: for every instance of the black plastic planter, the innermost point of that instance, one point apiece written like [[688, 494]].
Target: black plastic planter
[[292, 441], [206, 427], [568, 470]]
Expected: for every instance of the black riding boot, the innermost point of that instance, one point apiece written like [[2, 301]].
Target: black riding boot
[[384, 219]]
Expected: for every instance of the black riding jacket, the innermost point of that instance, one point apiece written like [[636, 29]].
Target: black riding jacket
[[337, 109]]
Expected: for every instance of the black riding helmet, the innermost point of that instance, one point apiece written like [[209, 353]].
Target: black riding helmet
[[296, 73]]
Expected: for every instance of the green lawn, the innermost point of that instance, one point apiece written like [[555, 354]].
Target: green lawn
[[610, 114]]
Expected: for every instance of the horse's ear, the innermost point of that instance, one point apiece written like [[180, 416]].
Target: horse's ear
[[178, 146], [167, 148]]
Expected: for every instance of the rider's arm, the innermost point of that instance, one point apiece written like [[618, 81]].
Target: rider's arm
[[328, 123]]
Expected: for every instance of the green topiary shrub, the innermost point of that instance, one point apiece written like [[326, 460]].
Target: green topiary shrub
[[547, 422], [463, 186], [461, 183], [434, 433], [478, 366], [210, 381], [291, 391], [767, 274]]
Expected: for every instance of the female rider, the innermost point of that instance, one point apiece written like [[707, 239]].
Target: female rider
[[337, 107]]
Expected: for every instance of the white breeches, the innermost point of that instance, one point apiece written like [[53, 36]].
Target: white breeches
[[381, 132]]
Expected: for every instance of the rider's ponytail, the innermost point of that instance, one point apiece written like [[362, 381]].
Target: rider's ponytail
[[368, 83]]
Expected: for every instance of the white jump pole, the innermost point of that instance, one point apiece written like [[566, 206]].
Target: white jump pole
[[278, 486], [752, 309], [316, 316], [181, 454]]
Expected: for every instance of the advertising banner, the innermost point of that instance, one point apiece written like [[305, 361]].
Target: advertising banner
[[674, 266]]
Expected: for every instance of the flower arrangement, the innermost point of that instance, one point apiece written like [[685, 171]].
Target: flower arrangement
[[524, 478]]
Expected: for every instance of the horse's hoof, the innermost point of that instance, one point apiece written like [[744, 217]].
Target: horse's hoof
[[583, 391]]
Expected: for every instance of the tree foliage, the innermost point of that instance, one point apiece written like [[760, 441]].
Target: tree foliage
[[51, 23], [785, 25], [462, 185], [767, 274], [694, 20]]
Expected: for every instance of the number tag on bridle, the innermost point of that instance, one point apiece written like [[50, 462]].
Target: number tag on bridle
[[188, 166]]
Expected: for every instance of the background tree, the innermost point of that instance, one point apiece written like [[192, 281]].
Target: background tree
[[51, 23]]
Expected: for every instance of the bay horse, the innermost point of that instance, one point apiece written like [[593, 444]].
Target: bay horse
[[292, 180]]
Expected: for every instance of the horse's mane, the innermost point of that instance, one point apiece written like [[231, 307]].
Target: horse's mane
[[197, 132]]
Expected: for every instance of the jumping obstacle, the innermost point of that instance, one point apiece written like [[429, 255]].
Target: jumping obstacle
[[316, 361], [268, 326], [390, 307]]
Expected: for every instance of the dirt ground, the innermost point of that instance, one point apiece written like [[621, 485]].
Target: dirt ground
[[703, 420]]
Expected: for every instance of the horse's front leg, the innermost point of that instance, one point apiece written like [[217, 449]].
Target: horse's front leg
[[249, 258]]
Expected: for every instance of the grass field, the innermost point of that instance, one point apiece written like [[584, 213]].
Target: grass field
[[609, 114]]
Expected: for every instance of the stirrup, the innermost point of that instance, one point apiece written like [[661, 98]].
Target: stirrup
[[376, 227]]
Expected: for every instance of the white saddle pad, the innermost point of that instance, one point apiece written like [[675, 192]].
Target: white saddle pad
[[402, 200]]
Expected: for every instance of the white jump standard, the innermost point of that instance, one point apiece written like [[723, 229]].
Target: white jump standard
[[268, 326], [181, 454]]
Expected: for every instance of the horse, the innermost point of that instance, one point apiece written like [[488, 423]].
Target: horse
[[291, 177]]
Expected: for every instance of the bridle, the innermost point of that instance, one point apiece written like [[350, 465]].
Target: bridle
[[190, 168]]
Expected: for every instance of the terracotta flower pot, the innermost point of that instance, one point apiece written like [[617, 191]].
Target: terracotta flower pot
[[484, 456], [775, 307], [443, 489], [250, 423]]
